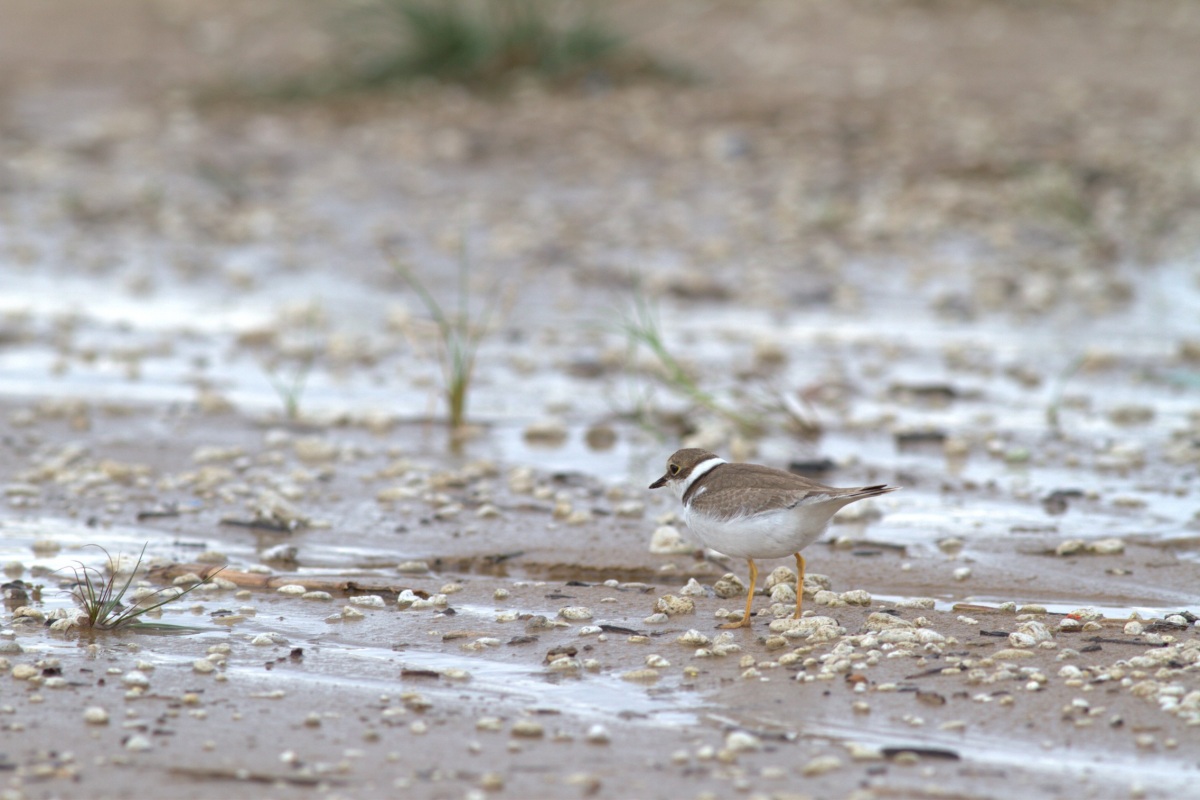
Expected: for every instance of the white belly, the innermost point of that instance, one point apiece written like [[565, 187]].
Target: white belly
[[773, 534]]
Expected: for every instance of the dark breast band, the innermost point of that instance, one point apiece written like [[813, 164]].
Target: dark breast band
[[696, 484]]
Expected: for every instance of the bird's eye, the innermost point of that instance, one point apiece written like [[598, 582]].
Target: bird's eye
[[674, 469]]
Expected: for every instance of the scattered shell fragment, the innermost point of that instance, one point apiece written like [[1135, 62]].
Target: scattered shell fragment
[[314, 449], [1030, 634], [527, 728], [859, 751], [824, 597], [1010, 654], [879, 621], [781, 576], [482, 643], [135, 679], [783, 593], [29, 613], [916, 602], [550, 431], [1101, 547], [856, 597], [742, 742], [95, 715], [821, 765], [673, 606], [667, 540], [815, 628], [951, 545], [693, 638], [268, 640], [729, 586], [630, 508], [575, 612], [433, 601]]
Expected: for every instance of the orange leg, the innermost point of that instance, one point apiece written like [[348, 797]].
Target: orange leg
[[799, 583], [745, 623]]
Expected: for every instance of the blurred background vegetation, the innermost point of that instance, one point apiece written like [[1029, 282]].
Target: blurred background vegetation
[[482, 44]]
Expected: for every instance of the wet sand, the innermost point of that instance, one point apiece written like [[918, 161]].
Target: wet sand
[[980, 293]]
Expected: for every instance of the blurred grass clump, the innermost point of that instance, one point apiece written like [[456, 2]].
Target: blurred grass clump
[[481, 44]]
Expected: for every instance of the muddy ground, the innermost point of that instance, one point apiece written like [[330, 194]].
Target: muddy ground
[[947, 246]]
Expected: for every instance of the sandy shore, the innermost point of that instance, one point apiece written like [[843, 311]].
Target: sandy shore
[[955, 241]]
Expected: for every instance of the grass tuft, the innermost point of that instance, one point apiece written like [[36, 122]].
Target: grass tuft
[[288, 370], [641, 327], [481, 44], [103, 603], [290, 387], [458, 335], [1053, 408], [484, 42]]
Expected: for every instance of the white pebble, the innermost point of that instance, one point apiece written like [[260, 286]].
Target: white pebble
[[667, 540], [693, 638], [598, 734], [135, 679], [137, 743], [95, 715], [821, 765], [268, 639], [742, 742]]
